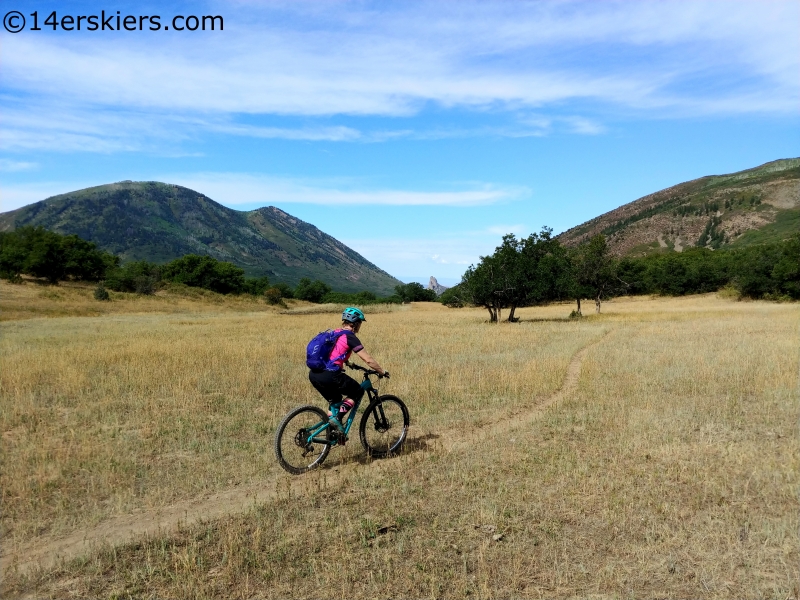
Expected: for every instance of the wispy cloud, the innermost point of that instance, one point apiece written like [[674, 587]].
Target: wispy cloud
[[316, 134], [322, 59], [236, 189], [12, 166]]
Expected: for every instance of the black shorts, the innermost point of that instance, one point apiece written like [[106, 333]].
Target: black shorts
[[332, 385]]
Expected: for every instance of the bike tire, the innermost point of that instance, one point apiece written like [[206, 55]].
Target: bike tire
[[291, 454], [384, 426]]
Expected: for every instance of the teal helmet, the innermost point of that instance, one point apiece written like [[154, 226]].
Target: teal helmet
[[353, 315]]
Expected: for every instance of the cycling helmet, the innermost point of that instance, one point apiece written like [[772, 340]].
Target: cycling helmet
[[353, 315]]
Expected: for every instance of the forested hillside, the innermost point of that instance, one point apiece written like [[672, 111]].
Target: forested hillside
[[160, 222]]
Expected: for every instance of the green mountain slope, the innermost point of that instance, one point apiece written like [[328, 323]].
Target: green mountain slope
[[159, 222], [753, 206]]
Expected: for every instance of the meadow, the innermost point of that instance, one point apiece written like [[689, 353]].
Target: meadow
[[667, 468]]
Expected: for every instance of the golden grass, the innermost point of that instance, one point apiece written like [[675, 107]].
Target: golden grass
[[671, 472], [31, 299], [336, 309]]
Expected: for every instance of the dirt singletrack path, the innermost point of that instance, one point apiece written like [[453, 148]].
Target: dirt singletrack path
[[47, 551]]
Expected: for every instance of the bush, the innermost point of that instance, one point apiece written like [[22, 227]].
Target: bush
[[144, 285], [273, 296], [453, 297], [100, 293]]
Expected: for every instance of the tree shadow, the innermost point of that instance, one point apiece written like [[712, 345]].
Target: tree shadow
[[548, 320]]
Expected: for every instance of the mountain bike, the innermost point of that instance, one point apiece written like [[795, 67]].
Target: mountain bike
[[305, 437]]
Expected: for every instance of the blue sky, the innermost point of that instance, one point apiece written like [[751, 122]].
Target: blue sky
[[418, 133]]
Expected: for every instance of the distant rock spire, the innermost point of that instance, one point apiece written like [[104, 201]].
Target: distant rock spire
[[436, 286]]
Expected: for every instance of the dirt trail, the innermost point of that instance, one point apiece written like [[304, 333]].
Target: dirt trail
[[46, 551]]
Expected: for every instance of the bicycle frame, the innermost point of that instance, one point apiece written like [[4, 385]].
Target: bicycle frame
[[319, 428]]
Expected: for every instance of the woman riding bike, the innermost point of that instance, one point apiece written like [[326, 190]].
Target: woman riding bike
[[332, 382]]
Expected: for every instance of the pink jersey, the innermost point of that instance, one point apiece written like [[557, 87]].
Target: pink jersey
[[344, 347]]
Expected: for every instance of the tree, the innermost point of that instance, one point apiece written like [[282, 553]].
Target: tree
[[519, 273], [82, 259], [544, 270], [284, 289], [414, 292], [311, 291], [138, 276], [12, 255], [256, 285], [481, 286], [786, 272], [205, 272], [41, 253], [595, 272]]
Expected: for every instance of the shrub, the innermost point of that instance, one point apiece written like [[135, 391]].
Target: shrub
[[453, 297], [101, 293], [273, 296], [144, 285]]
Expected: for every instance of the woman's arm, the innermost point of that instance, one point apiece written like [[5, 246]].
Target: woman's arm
[[364, 355]]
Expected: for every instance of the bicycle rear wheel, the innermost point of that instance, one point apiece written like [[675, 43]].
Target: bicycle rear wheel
[[303, 439], [384, 426]]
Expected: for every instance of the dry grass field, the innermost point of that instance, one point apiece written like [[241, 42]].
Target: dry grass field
[[669, 470]]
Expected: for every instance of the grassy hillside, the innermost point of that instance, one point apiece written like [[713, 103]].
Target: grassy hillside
[[753, 206], [159, 222], [667, 466]]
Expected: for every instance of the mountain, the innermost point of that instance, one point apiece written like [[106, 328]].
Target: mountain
[[753, 206], [437, 287], [159, 222]]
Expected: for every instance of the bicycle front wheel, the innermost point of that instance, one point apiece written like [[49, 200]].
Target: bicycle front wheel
[[384, 426], [303, 439]]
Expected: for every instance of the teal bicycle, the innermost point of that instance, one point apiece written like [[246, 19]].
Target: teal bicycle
[[305, 437]]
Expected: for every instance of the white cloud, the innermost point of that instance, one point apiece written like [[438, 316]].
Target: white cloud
[[232, 189], [367, 59], [330, 134], [11, 166]]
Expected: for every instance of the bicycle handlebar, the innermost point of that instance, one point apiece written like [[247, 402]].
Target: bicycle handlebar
[[365, 370]]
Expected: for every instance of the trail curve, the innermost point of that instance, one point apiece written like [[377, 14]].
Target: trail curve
[[46, 551]]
